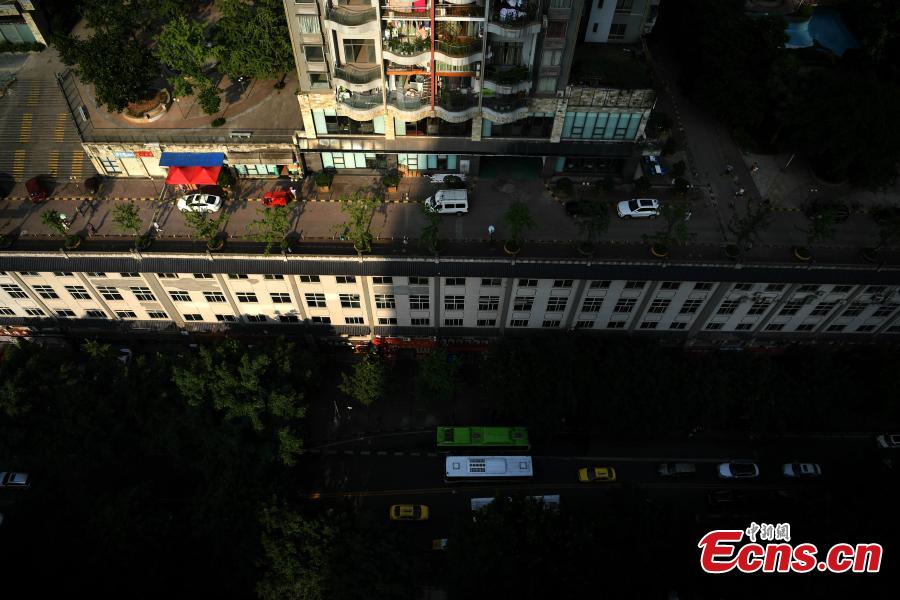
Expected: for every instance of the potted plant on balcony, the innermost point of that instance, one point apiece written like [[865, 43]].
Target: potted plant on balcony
[[518, 217], [324, 179], [675, 230], [746, 230], [359, 208], [391, 181]]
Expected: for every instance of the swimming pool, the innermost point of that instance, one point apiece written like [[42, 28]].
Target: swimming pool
[[825, 27]]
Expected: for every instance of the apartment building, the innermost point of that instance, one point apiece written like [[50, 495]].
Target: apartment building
[[470, 86], [418, 297], [619, 21], [21, 23]]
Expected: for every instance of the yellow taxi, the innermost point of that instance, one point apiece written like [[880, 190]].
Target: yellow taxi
[[408, 512], [596, 474]]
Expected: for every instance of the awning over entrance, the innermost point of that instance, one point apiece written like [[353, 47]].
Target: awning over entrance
[[193, 175], [192, 159]]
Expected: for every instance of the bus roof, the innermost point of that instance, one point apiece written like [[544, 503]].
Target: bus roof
[[489, 466]]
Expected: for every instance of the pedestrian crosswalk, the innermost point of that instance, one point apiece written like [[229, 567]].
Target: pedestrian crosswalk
[[76, 167], [53, 163], [59, 130], [18, 168], [25, 128]]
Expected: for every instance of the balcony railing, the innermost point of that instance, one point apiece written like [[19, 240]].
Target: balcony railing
[[443, 8], [403, 47], [507, 74], [352, 74], [405, 102], [514, 17], [351, 16], [458, 48], [504, 103], [360, 101], [405, 8], [457, 102]]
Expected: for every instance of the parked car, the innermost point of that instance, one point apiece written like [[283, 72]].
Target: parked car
[[408, 512], [653, 166], [672, 469], [638, 208], [36, 190], [12, 479], [738, 470], [805, 470], [888, 440], [596, 474], [278, 197], [199, 203]]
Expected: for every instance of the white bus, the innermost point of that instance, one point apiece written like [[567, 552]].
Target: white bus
[[495, 467]]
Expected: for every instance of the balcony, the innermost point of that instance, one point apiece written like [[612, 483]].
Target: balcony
[[360, 101], [353, 20], [456, 107], [505, 108], [459, 9], [507, 79], [409, 9], [410, 106], [514, 22], [407, 51], [358, 77], [459, 47]]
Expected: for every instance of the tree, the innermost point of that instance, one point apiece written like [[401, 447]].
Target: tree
[[271, 227], [436, 380], [746, 229], [888, 220], [259, 389], [594, 220], [822, 225], [366, 382], [262, 21], [203, 225], [128, 219], [519, 219], [209, 100], [359, 208], [53, 219], [430, 232], [181, 46], [675, 230]]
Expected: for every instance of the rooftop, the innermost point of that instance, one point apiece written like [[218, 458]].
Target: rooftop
[[610, 65]]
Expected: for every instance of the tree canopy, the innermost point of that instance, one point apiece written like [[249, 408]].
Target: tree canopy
[[253, 39]]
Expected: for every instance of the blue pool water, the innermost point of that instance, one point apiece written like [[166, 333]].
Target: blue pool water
[[825, 27]]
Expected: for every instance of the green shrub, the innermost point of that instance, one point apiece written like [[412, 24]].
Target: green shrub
[[209, 100], [218, 121]]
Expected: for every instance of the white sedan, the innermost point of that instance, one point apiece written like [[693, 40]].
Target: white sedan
[[805, 470], [638, 208], [738, 470], [199, 203]]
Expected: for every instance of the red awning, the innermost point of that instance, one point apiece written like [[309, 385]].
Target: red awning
[[193, 175]]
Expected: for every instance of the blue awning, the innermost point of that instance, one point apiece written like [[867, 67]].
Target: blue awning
[[191, 159]]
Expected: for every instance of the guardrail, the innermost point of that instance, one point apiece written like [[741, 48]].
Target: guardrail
[[358, 75], [350, 17]]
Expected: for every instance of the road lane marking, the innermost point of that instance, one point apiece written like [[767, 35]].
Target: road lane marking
[[59, 130], [53, 163], [18, 169], [25, 128]]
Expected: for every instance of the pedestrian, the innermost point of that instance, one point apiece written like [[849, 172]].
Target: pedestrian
[[754, 167], [405, 243], [157, 230], [739, 193], [91, 230]]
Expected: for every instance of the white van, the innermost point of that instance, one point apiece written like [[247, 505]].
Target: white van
[[448, 202]]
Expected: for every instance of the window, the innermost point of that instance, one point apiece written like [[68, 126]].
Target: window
[[592, 304], [37, 312], [678, 325], [29, 273], [288, 318], [193, 317], [836, 328], [528, 283], [774, 326], [893, 329], [659, 305], [315, 300], [359, 51], [45, 291], [180, 296], [775, 287], [670, 285], [246, 297], [690, 307], [78, 292], [94, 313], [584, 324], [318, 81], [556, 303], [314, 54], [624, 5], [557, 29], [486, 322], [519, 323], [616, 325], [129, 275], [387, 320], [203, 276], [617, 31], [454, 302], [728, 307], [383, 280], [493, 282], [157, 314], [309, 279], [523, 303], [353, 320], [649, 324], [453, 322], [757, 308], [110, 166], [418, 281], [349, 300], [280, 297], [562, 283], [420, 322], [343, 279], [865, 328], [13, 290], [742, 287], [455, 281], [744, 326], [791, 307], [226, 318], [263, 319], [237, 276], [488, 302], [550, 324], [625, 305], [166, 275], [126, 314], [599, 285], [703, 286], [109, 293], [855, 309], [546, 85], [808, 288], [57, 273], [822, 309], [885, 310], [65, 312], [143, 294], [385, 301], [634, 285], [419, 302], [309, 24], [841, 289], [271, 276], [5, 310], [214, 296], [551, 58], [806, 327], [714, 326]]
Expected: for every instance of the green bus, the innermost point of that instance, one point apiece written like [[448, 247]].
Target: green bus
[[500, 438]]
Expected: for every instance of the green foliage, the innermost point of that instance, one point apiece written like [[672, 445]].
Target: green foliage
[[181, 87], [218, 122], [6, 46], [594, 220], [642, 185], [226, 177], [53, 220], [253, 39], [822, 225], [359, 209], [256, 389], [437, 379], [127, 218], [324, 178], [181, 47], [429, 238], [518, 217], [678, 169], [209, 100], [203, 224], [272, 225], [675, 230], [366, 383], [746, 229]]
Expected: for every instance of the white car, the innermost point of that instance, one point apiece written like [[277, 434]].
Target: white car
[[805, 470], [10, 479], [889, 440], [738, 470], [199, 203], [638, 208]]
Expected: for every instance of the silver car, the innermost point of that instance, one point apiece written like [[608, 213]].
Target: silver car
[[11, 479], [199, 203], [638, 208], [805, 470], [738, 470]]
